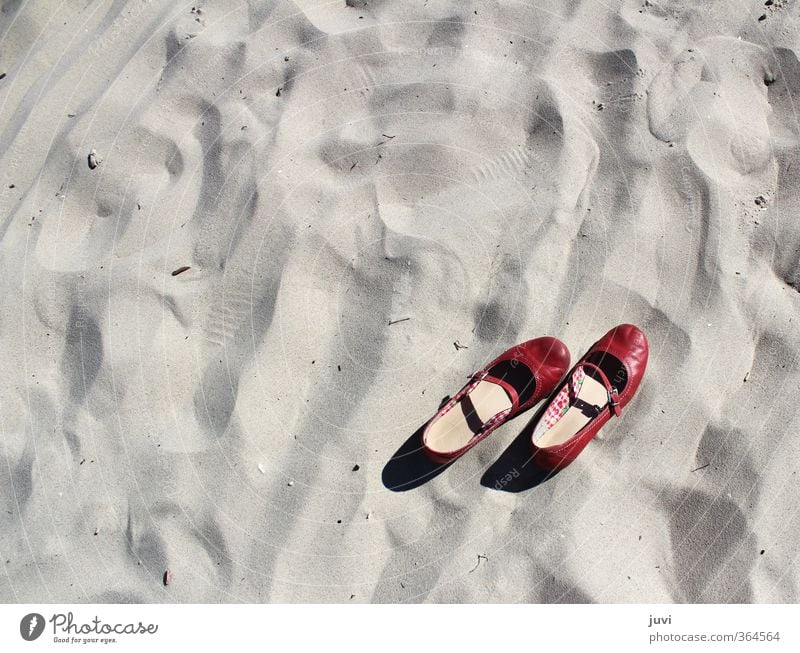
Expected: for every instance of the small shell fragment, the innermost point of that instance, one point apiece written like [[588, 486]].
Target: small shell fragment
[[167, 578], [261, 468]]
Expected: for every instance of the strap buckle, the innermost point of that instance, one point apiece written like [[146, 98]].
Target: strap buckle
[[613, 400]]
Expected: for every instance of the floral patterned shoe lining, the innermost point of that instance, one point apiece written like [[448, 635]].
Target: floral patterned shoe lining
[[560, 403]]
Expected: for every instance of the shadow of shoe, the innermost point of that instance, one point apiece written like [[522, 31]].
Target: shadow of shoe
[[409, 467], [515, 469]]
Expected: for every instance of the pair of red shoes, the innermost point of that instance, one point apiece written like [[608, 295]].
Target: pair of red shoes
[[600, 384]]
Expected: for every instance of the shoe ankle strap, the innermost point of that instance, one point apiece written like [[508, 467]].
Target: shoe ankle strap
[[613, 392]]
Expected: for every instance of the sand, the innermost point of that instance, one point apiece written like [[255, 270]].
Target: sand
[[371, 201]]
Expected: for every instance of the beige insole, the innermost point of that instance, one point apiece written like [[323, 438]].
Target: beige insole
[[574, 419], [451, 432]]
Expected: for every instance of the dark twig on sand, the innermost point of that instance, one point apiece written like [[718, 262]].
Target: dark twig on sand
[[702, 467], [480, 557], [458, 345], [391, 322], [180, 270]]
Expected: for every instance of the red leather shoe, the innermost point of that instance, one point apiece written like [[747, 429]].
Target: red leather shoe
[[600, 385], [512, 383]]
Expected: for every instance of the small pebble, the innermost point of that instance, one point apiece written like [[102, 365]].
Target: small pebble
[[167, 578], [290, 483], [356, 468], [94, 161], [261, 468]]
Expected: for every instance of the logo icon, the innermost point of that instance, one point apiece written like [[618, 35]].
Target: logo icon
[[31, 626]]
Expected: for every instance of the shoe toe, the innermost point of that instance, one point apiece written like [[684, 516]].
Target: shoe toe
[[547, 351], [549, 358], [633, 339]]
